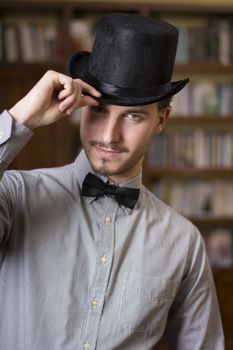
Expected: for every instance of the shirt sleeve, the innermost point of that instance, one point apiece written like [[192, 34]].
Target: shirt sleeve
[[195, 321], [13, 137]]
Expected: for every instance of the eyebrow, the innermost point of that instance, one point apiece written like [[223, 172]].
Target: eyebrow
[[141, 111], [130, 110]]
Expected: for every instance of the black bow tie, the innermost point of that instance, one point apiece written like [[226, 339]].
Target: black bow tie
[[95, 187]]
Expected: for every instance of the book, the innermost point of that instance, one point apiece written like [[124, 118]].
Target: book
[[204, 98], [197, 198], [187, 148], [1, 42], [182, 54], [219, 245], [11, 43], [224, 32], [82, 33], [31, 39], [203, 39]]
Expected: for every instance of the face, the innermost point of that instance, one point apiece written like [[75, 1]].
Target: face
[[116, 138]]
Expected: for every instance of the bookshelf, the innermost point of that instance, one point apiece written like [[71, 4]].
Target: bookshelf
[[55, 26]]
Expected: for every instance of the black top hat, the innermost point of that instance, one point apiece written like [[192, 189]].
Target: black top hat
[[132, 60]]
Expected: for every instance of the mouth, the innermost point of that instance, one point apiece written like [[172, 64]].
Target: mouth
[[107, 152]]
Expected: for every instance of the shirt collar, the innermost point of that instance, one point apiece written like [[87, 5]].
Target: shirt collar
[[83, 167]]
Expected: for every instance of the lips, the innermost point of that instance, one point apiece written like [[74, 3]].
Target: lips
[[107, 151]]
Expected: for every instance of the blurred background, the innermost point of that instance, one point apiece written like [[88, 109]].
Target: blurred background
[[189, 165]]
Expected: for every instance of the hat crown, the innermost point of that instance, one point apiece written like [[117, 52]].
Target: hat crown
[[133, 50], [132, 60]]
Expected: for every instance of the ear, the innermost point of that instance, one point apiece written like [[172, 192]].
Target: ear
[[163, 115]]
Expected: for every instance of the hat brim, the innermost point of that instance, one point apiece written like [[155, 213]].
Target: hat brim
[[78, 68]]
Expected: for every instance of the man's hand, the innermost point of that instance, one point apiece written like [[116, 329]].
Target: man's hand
[[54, 96]]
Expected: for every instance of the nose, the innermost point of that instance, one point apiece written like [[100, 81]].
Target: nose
[[111, 130]]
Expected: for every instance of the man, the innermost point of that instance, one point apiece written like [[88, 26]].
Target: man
[[90, 259]]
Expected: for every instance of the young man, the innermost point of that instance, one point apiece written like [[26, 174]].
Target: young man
[[90, 259]]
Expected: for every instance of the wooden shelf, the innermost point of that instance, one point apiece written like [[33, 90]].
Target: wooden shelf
[[82, 5], [210, 222], [220, 121], [17, 70], [149, 6], [210, 173], [223, 273], [204, 68]]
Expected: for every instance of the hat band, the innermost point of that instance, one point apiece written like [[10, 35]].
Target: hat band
[[115, 90]]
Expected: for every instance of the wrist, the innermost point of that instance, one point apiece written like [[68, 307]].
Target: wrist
[[20, 116]]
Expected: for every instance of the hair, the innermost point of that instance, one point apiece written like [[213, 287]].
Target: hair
[[164, 103]]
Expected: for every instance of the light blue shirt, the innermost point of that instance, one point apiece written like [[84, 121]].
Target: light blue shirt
[[82, 274]]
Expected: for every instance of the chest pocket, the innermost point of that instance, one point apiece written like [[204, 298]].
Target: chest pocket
[[145, 302]]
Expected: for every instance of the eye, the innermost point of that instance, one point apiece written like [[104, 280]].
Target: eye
[[134, 116], [97, 109]]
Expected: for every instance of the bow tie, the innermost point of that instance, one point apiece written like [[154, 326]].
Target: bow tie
[[95, 187]]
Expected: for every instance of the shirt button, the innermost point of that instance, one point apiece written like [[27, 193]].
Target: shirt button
[[108, 219], [94, 303], [104, 259], [86, 346], [1, 134]]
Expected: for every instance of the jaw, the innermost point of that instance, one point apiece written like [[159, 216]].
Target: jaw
[[118, 168]]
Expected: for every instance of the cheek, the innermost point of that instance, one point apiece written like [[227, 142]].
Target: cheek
[[141, 135], [89, 128]]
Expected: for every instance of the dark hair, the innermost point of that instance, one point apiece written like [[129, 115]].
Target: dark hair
[[164, 103]]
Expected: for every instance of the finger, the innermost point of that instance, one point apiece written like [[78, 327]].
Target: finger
[[71, 108], [64, 84], [88, 101], [85, 101], [63, 94], [74, 89], [68, 90], [88, 88], [68, 102]]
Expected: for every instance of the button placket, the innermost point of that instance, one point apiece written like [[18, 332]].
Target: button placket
[[101, 275], [108, 219], [94, 303], [86, 345], [103, 259]]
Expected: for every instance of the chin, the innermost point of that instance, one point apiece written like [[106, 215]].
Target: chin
[[103, 170], [103, 166]]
